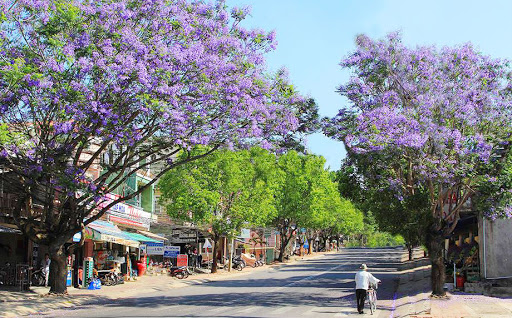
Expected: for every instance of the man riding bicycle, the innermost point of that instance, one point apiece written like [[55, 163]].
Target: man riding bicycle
[[363, 280]]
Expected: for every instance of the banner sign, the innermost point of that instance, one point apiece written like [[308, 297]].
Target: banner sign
[[155, 250], [126, 214], [182, 260], [171, 251]]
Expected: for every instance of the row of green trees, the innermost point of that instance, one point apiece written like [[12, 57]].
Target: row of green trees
[[235, 189]]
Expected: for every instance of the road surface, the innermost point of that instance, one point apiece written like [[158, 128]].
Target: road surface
[[318, 287]]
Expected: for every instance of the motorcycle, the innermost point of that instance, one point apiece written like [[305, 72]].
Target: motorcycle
[[238, 263], [38, 278], [260, 262], [179, 272], [111, 278]]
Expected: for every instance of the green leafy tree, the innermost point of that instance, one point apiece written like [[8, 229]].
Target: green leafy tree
[[331, 215], [306, 198], [225, 193], [408, 217]]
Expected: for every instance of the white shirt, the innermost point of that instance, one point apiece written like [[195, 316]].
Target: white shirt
[[363, 280]]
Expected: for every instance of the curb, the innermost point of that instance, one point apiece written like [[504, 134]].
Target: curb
[[413, 276]]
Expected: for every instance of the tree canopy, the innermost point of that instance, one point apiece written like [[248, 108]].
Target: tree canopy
[[225, 192], [426, 118], [255, 188], [117, 87]]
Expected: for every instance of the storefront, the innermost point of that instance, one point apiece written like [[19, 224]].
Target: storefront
[[462, 251], [110, 248]]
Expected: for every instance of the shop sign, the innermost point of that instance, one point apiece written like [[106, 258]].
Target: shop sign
[[126, 213], [127, 220], [182, 260], [171, 251], [183, 240], [184, 234], [267, 232], [155, 248]]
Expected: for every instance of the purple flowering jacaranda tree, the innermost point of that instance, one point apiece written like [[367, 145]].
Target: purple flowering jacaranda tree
[[428, 119], [92, 92]]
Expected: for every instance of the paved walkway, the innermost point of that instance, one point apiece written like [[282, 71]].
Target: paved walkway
[[413, 300]]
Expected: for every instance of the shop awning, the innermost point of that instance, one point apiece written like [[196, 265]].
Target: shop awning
[[108, 232], [142, 238], [153, 235], [9, 230]]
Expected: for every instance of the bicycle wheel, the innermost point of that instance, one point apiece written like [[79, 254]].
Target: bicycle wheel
[[372, 301]]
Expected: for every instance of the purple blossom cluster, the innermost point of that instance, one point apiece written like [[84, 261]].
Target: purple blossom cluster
[[126, 71], [443, 110]]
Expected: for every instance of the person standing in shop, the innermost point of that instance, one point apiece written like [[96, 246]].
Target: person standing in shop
[[45, 268]]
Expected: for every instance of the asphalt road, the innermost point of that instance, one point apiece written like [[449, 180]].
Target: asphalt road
[[320, 287]]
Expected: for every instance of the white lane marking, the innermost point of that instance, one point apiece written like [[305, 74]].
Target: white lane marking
[[248, 309], [306, 279], [283, 310], [211, 310]]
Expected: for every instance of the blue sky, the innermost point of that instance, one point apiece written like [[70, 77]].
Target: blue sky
[[314, 36]]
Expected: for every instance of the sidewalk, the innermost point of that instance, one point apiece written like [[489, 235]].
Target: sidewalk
[[17, 304], [412, 299]]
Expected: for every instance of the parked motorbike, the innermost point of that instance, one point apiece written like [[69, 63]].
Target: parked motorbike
[[238, 263], [111, 278], [38, 278], [179, 272], [260, 262]]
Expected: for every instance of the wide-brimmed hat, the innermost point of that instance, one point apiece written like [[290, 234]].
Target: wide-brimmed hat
[[363, 266]]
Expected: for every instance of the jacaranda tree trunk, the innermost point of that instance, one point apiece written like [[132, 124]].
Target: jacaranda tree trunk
[[58, 270], [435, 241]]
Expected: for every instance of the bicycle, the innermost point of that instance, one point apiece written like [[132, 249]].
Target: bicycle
[[371, 295]]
